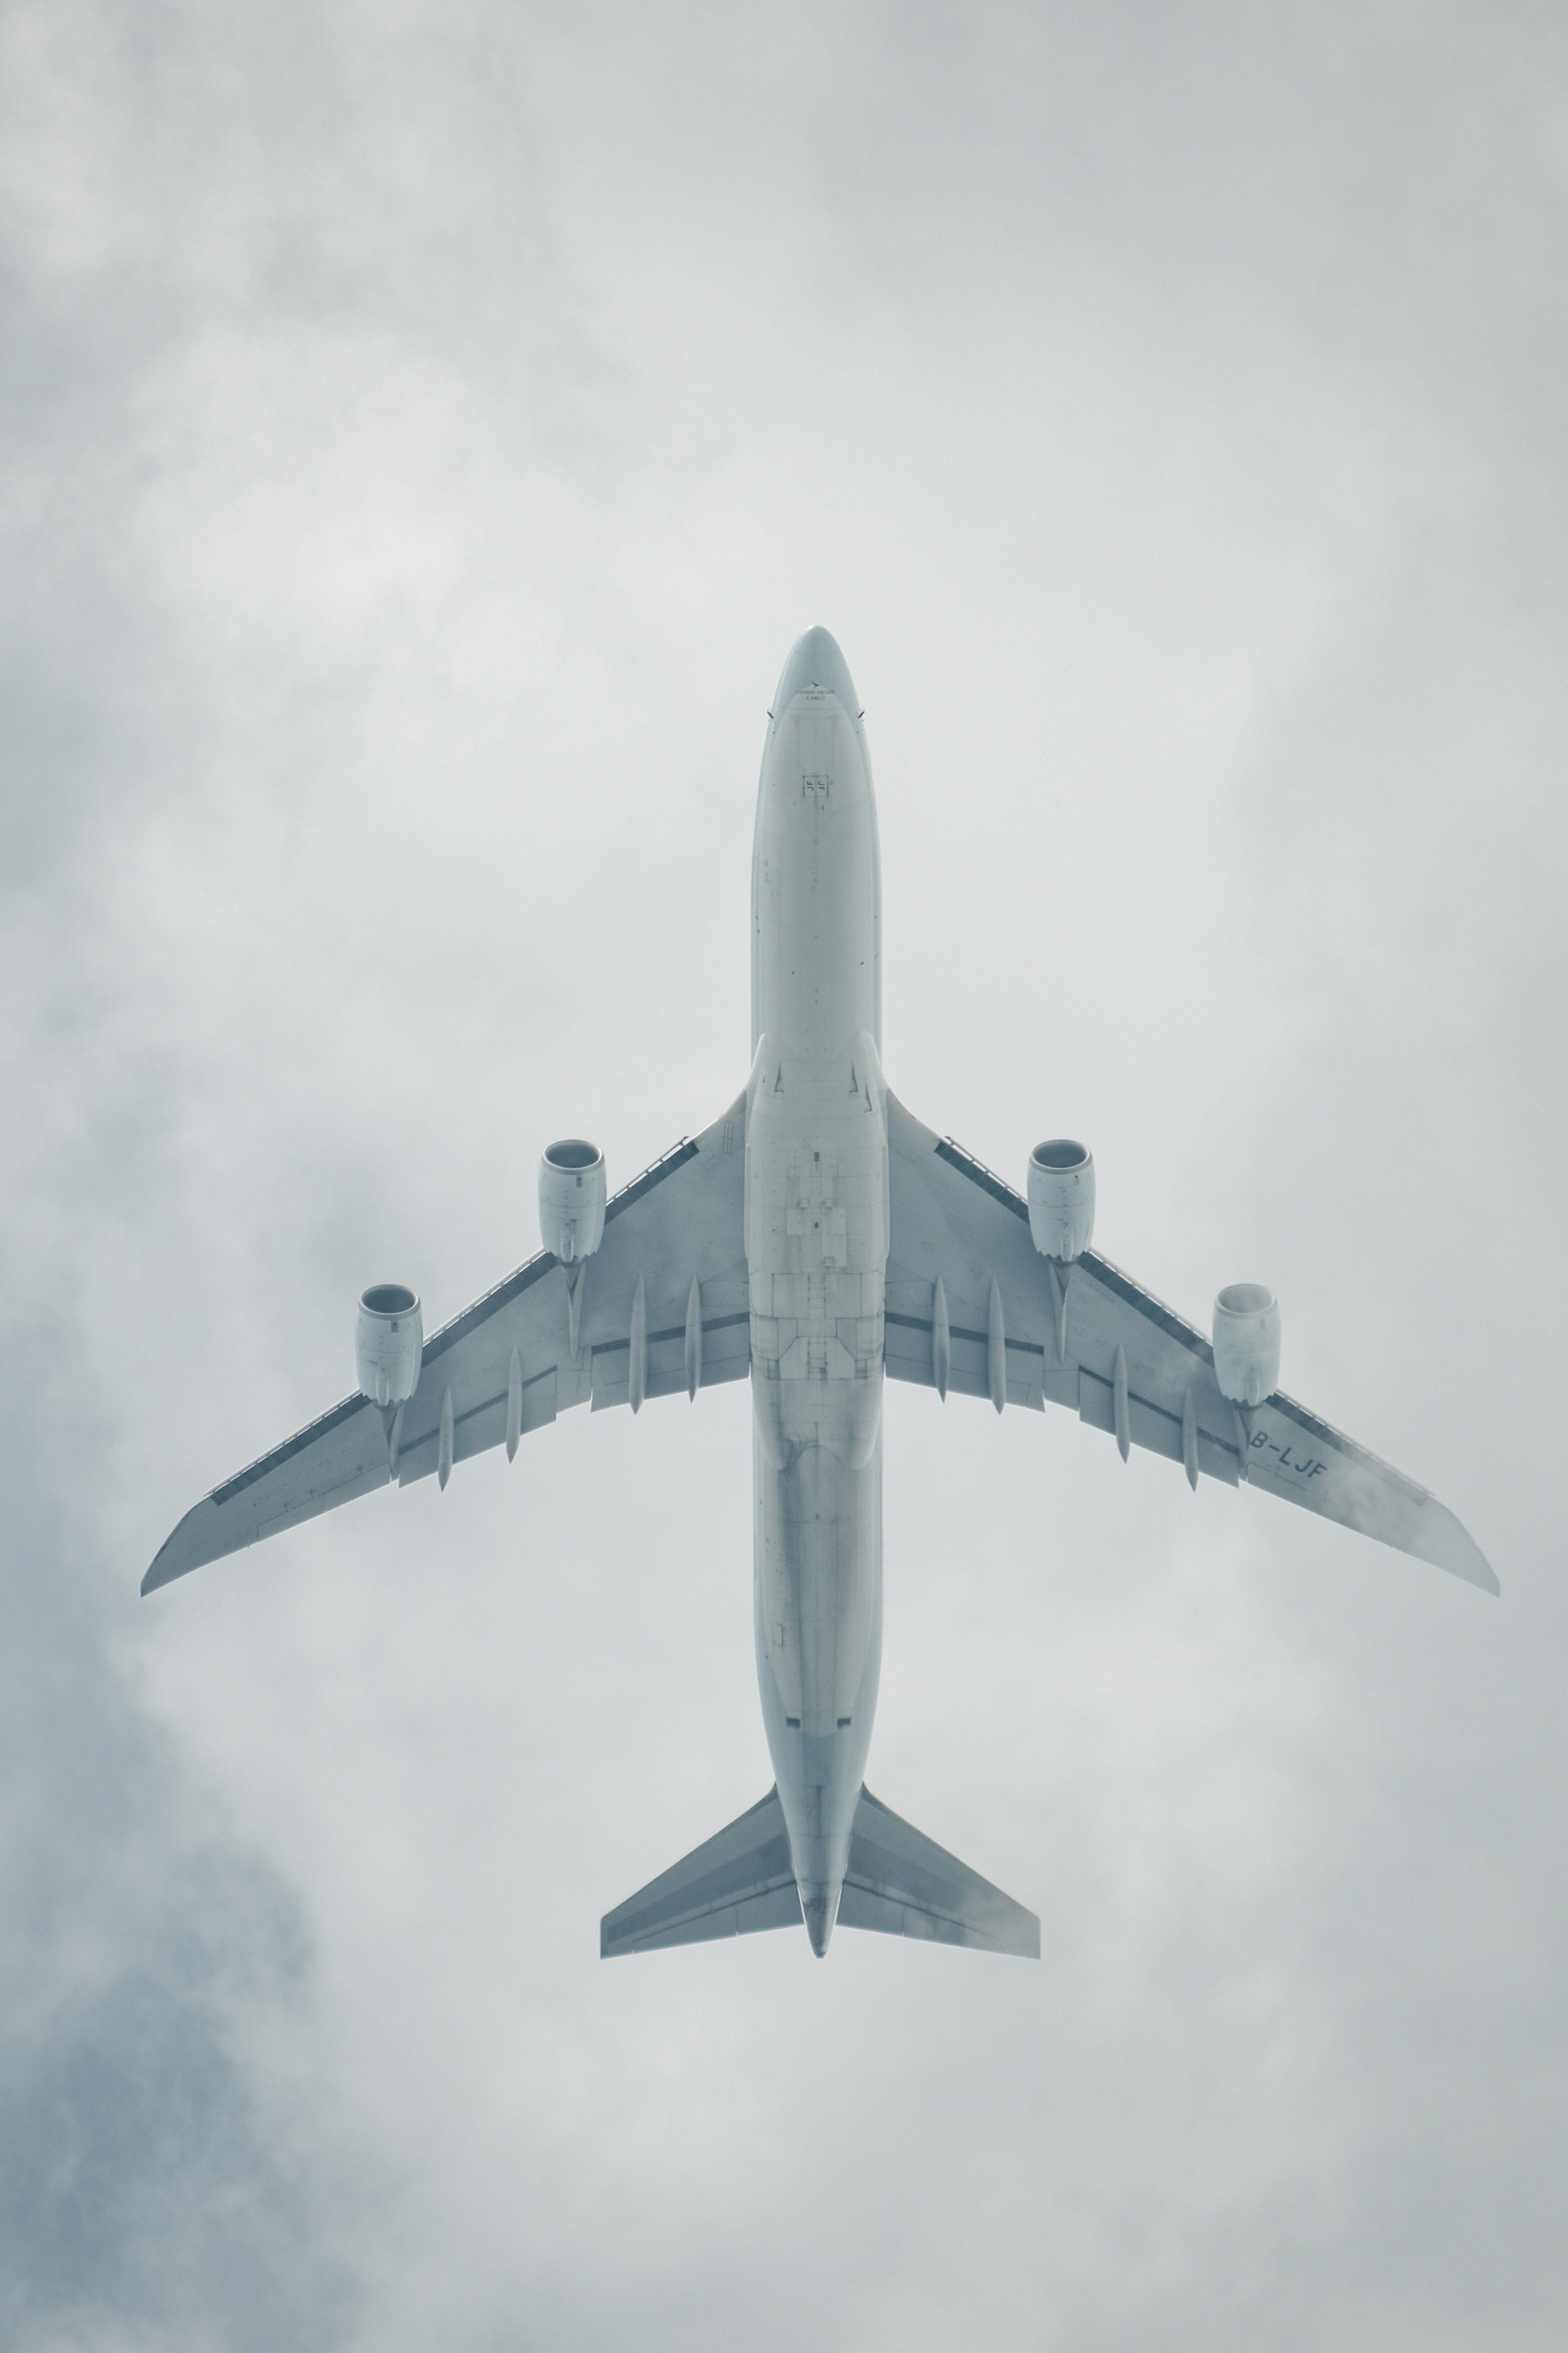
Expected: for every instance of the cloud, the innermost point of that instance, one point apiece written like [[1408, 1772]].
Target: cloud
[[423, 441], [148, 2194]]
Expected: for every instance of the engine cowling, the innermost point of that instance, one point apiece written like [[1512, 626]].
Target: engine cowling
[[1246, 1342], [1061, 1197], [571, 1195], [389, 1342]]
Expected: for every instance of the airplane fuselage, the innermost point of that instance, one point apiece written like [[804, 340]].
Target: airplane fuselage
[[816, 1227]]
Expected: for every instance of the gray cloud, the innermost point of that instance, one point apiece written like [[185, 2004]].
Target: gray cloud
[[422, 442], [147, 2195]]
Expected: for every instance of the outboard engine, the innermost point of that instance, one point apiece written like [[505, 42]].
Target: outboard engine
[[1246, 1342], [571, 1196], [389, 1341], [1061, 1197]]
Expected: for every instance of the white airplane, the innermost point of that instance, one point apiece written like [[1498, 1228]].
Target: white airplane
[[818, 1237]]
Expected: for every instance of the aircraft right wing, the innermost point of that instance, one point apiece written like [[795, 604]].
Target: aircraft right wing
[[1022, 1330], [548, 1337]]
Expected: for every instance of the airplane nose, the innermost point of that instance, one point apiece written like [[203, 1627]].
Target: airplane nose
[[821, 1910], [816, 660]]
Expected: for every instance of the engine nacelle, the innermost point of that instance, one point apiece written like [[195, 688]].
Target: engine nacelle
[[572, 1198], [1246, 1342], [1061, 1197], [389, 1341]]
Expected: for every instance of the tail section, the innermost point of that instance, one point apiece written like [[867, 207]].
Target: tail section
[[740, 1881], [902, 1883], [898, 1881]]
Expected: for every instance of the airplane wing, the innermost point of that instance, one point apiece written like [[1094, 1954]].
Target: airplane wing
[[677, 1231], [1022, 1330]]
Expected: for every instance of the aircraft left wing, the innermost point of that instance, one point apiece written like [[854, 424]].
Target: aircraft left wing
[[1021, 1329], [676, 1233]]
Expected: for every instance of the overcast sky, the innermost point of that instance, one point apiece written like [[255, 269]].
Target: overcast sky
[[424, 432]]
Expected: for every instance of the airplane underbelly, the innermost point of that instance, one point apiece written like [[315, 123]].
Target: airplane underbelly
[[816, 1255], [816, 1569], [816, 1251]]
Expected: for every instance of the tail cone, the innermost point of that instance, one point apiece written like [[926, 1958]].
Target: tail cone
[[821, 1910]]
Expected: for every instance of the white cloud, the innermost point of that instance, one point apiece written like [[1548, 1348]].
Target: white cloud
[[423, 439]]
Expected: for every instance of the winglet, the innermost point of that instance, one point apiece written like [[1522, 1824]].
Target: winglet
[[199, 1537], [1443, 1540], [167, 1562]]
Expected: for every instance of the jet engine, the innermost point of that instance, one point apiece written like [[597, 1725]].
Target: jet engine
[[1061, 1197], [572, 1198], [1246, 1342], [389, 1340]]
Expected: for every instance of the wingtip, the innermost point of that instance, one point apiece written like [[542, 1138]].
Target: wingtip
[[1449, 1545], [165, 1570]]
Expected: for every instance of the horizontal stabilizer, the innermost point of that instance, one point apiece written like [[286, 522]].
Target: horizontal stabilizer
[[905, 1884], [738, 1882]]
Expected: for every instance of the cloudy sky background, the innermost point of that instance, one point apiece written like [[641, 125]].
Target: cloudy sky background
[[424, 433]]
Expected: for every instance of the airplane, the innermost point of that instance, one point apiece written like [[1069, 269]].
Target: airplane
[[819, 1240]]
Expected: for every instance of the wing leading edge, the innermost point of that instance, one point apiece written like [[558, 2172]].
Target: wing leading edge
[[962, 1264], [678, 1225]]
